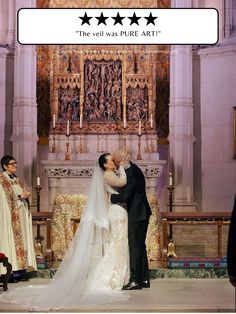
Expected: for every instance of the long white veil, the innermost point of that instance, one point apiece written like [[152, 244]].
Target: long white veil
[[71, 285]]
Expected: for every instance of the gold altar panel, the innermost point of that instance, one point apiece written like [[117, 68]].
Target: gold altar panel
[[143, 66], [67, 206]]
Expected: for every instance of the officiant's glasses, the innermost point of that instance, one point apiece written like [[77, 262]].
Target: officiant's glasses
[[12, 163]]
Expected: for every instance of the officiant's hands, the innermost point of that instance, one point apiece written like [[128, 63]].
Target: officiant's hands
[[25, 195]]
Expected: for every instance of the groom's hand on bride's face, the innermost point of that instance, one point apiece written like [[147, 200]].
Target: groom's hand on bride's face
[[124, 161]]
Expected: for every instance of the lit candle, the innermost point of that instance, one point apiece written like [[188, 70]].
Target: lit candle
[[139, 128], [81, 121], [38, 180], [170, 179], [151, 120], [68, 128], [125, 122], [54, 121]]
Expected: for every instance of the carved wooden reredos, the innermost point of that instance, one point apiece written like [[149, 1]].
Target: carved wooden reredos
[[107, 85]]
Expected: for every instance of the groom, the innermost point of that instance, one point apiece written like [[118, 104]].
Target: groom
[[133, 197]]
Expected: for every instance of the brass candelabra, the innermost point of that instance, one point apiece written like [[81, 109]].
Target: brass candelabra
[[124, 140], [139, 156], [171, 252], [67, 154], [151, 148], [81, 149], [54, 140], [39, 238]]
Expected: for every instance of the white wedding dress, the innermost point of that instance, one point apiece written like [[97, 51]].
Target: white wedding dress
[[113, 271], [96, 265]]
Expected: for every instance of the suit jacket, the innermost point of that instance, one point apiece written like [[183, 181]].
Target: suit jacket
[[231, 251], [133, 195]]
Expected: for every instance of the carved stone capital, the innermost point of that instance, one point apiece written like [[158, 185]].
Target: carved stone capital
[[61, 169], [152, 169], [71, 172]]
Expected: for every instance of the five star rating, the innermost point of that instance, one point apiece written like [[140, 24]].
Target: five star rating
[[115, 26], [118, 19]]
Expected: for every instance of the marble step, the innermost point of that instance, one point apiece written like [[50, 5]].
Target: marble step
[[155, 273]]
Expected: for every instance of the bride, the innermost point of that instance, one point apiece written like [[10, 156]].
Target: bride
[[96, 265]]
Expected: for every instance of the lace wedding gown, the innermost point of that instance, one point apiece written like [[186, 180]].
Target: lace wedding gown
[[113, 272], [96, 265]]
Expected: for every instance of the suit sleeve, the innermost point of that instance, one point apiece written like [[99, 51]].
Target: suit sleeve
[[231, 253], [126, 193]]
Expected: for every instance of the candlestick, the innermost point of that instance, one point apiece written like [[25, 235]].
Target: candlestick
[[171, 247], [68, 128], [38, 189], [38, 180], [81, 120], [54, 141], [67, 155], [139, 128], [151, 148], [54, 121], [139, 157], [81, 149]]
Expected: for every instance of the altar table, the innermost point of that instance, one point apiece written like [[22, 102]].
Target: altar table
[[69, 206]]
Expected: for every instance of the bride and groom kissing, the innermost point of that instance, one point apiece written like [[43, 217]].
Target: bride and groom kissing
[[128, 212], [107, 254]]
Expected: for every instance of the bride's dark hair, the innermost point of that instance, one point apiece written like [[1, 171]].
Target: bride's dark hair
[[102, 160]]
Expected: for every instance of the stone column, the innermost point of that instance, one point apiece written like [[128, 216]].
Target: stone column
[[6, 76], [3, 57], [11, 21], [24, 137], [181, 136]]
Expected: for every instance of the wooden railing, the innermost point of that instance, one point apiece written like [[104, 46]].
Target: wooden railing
[[167, 218], [193, 218]]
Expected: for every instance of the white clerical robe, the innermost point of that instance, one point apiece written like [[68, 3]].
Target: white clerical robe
[[16, 237], [7, 242]]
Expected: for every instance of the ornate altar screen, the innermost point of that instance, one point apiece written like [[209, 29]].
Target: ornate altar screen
[[102, 91]]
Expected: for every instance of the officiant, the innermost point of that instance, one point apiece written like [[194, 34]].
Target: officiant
[[16, 238]]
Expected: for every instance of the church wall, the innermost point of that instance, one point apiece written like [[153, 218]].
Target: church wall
[[3, 21], [197, 130], [218, 96]]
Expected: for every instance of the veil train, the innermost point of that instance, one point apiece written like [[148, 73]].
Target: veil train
[[73, 286]]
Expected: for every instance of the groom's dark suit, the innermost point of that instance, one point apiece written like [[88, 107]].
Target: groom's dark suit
[[231, 251], [133, 197]]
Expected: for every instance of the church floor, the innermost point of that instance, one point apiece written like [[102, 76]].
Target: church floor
[[165, 295]]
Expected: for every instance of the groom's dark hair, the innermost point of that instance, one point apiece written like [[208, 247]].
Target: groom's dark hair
[[102, 160]]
